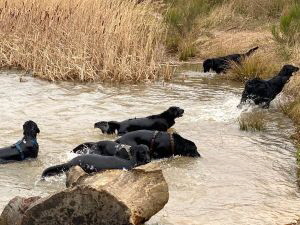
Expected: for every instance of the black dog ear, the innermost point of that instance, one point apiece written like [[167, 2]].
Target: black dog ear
[[37, 130]]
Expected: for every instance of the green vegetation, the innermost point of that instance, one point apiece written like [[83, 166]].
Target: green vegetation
[[186, 19], [181, 19], [288, 31]]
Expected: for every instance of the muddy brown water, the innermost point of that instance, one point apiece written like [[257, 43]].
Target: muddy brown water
[[242, 178]]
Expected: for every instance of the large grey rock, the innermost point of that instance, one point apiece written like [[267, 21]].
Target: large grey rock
[[111, 197]]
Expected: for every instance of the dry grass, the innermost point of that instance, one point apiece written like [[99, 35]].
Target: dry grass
[[292, 109], [85, 40], [223, 15], [252, 121], [263, 9], [256, 66]]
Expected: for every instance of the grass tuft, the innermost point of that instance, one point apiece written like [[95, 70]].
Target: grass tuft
[[187, 50], [252, 121], [256, 66]]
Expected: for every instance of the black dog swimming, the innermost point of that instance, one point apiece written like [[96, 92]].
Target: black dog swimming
[[105, 148], [139, 155], [222, 64], [161, 144], [160, 122], [262, 92], [27, 147]]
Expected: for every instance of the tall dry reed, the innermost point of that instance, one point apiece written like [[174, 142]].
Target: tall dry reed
[[255, 66], [85, 40]]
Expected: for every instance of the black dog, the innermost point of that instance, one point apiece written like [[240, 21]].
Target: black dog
[[161, 143], [161, 122], [27, 147], [140, 155], [106, 148], [262, 92], [222, 64]]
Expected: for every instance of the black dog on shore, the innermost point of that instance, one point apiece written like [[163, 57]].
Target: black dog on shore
[[27, 147], [160, 122], [222, 64], [140, 155], [262, 92], [160, 143], [106, 148]]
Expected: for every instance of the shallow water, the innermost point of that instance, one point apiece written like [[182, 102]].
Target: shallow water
[[242, 178]]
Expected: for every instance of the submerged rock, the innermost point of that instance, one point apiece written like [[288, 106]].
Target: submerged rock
[[110, 197]]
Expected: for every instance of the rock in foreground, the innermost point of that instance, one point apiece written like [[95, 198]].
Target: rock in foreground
[[111, 197]]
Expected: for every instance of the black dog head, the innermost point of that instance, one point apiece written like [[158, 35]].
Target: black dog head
[[107, 127], [175, 112], [288, 70], [30, 128], [185, 147], [102, 125], [142, 154], [207, 65]]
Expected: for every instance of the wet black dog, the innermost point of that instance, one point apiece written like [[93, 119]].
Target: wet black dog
[[27, 147], [106, 148], [140, 155], [222, 64], [262, 92], [161, 122], [161, 143]]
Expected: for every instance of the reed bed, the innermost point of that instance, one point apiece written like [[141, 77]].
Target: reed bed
[[256, 66], [82, 40]]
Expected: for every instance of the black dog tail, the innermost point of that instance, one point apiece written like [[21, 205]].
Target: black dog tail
[[251, 51], [54, 170], [107, 127]]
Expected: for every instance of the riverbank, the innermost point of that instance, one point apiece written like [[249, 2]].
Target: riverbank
[[219, 28]]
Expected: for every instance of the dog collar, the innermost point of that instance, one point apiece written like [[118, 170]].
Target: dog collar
[[34, 142], [153, 140], [19, 149]]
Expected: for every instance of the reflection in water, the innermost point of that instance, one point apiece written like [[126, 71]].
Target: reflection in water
[[243, 177]]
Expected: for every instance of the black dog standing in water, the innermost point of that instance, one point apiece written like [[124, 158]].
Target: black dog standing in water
[[139, 155], [161, 144], [160, 122], [27, 147], [262, 92], [222, 64], [106, 148]]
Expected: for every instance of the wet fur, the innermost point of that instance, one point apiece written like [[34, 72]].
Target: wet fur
[[160, 122], [93, 163], [262, 92], [28, 145], [105, 148], [162, 146], [222, 64]]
